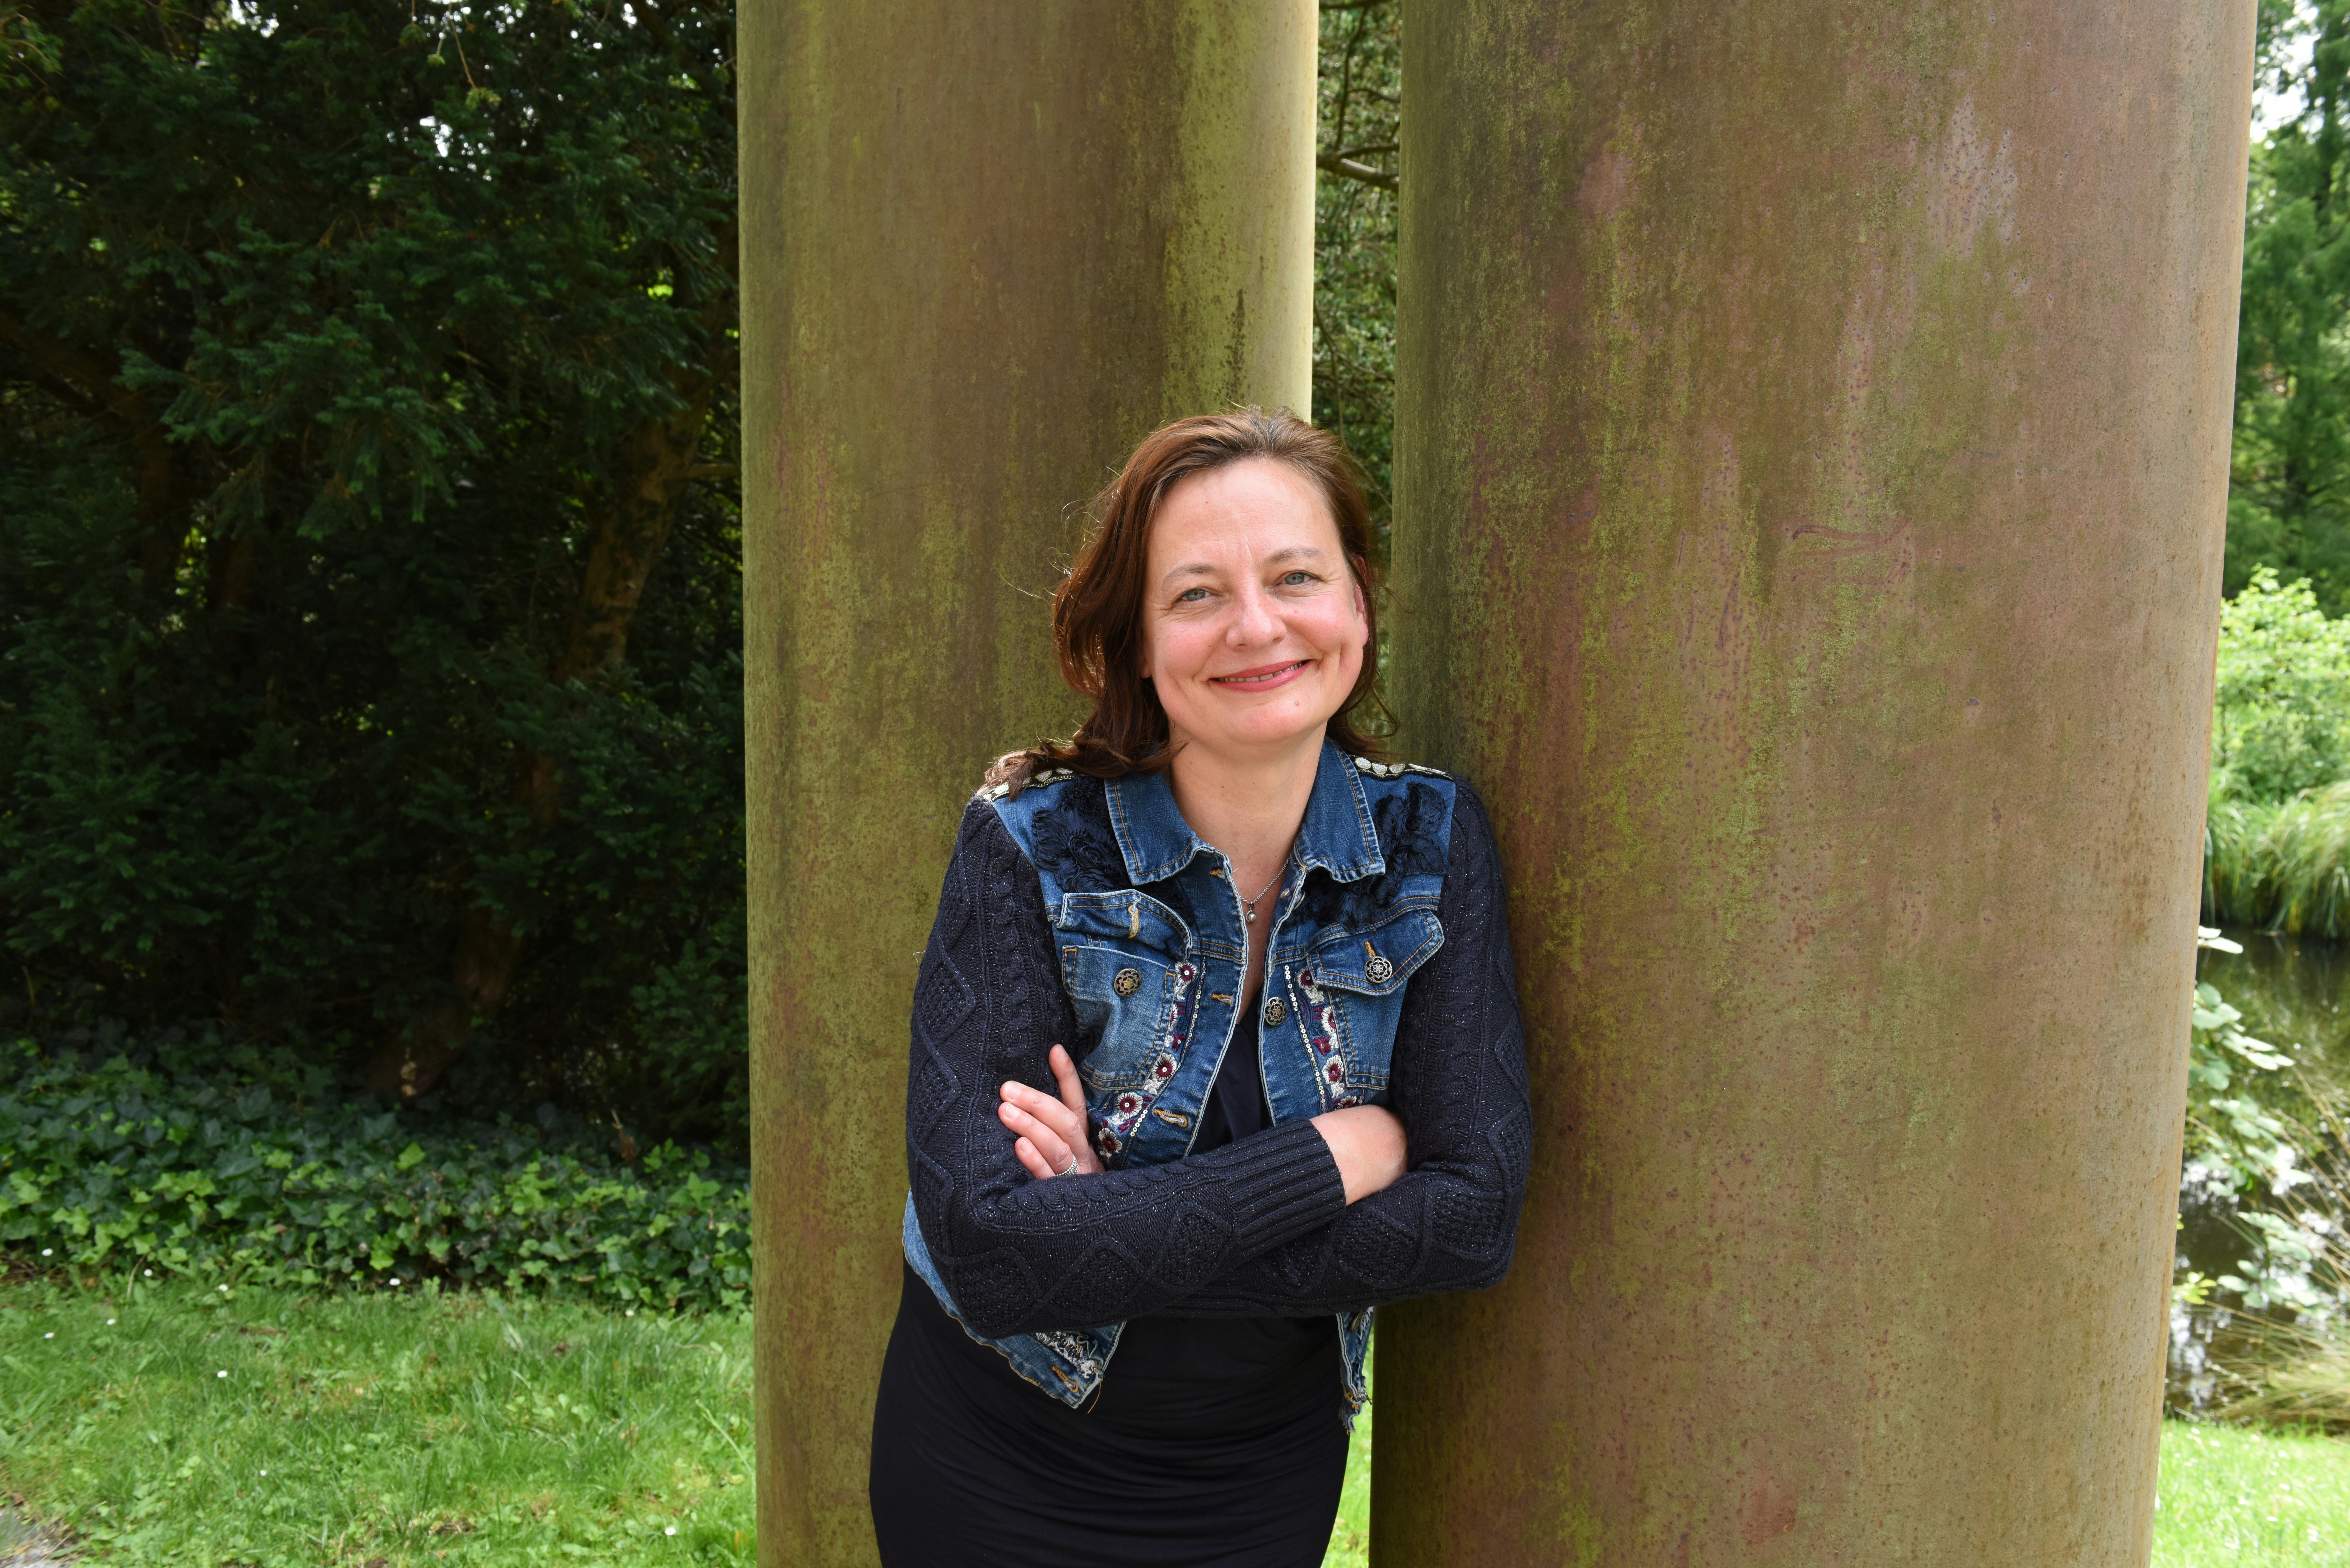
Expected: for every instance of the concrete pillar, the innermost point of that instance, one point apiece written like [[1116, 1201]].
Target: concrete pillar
[[1812, 443], [986, 247]]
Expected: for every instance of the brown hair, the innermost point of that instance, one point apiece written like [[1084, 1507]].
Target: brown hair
[[1098, 608]]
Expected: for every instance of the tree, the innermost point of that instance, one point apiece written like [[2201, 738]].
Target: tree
[[2289, 499], [1361, 82], [368, 602]]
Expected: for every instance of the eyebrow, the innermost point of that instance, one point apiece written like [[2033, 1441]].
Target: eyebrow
[[1294, 552]]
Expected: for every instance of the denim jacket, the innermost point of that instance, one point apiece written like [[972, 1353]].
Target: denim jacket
[[1152, 950]]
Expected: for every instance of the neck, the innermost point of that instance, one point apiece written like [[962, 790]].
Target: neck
[[1248, 807]]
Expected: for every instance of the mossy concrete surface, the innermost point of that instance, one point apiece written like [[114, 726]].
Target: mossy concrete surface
[[1812, 445], [987, 248]]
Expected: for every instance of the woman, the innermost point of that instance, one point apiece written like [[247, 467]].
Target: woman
[[1215, 1048]]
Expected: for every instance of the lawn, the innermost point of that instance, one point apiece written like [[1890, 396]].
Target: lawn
[[182, 1424], [2239, 1497], [204, 1427]]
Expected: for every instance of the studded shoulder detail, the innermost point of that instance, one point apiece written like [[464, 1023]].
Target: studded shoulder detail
[[1035, 781], [1396, 770]]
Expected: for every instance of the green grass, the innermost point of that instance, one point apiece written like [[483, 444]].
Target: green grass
[[471, 1431], [204, 1427], [1350, 1542], [2240, 1496]]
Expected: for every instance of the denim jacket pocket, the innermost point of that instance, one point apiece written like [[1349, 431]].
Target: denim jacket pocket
[[1120, 965], [1351, 992], [1122, 1000]]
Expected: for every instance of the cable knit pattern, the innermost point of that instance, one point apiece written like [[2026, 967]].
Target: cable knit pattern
[[1257, 1227]]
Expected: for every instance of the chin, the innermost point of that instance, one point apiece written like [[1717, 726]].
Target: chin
[[1270, 731]]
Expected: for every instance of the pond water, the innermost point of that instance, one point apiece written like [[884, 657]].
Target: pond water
[[2296, 989], [2295, 993]]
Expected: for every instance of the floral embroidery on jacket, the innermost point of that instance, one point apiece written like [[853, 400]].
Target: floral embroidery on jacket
[[1411, 828], [1074, 836]]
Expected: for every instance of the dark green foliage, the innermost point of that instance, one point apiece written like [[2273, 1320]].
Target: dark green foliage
[[2289, 502], [194, 1159], [350, 355], [1361, 91]]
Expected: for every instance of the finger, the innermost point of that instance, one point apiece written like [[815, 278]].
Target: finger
[[1038, 1136], [1064, 1073], [1032, 1160], [1069, 1122]]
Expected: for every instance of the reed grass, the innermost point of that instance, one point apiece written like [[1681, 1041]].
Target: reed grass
[[2280, 866], [2297, 1364]]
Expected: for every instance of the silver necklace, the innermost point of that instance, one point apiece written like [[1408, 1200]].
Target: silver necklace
[[1249, 905]]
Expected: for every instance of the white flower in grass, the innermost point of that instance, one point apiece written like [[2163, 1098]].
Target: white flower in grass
[[49, 1336], [395, 1280], [220, 1373], [45, 1251], [150, 1273], [670, 1530], [110, 1323]]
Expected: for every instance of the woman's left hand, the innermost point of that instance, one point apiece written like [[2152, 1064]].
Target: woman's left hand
[[1050, 1134]]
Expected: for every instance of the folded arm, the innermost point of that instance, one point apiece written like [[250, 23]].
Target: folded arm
[[1019, 1254], [1458, 1082]]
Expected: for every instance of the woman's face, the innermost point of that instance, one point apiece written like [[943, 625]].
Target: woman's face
[[1252, 626]]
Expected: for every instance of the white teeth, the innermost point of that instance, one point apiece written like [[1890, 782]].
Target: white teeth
[[1255, 680]]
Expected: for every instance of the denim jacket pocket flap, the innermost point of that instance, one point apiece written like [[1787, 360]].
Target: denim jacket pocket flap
[[1130, 918], [1377, 961]]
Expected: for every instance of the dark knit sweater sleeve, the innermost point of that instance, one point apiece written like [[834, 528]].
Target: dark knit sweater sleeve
[[1018, 1254], [1458, 1082]]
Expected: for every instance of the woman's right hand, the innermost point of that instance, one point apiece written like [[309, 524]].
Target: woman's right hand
[[1368, 1144]]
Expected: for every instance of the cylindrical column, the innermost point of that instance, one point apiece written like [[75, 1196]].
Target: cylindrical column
[[985, 248], [1813, 432]]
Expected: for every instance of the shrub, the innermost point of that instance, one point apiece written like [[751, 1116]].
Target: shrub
[[130, 1159], [2283, 723], [369, 547]]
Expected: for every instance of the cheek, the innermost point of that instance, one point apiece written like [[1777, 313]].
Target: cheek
[[1339, 626], [1168, 650]]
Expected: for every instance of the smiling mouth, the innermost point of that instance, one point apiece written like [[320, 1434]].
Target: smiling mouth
[[1260, 677]]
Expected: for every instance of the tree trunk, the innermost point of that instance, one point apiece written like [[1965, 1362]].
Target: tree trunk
[[990, 247], [166, 489], [1812, 453]]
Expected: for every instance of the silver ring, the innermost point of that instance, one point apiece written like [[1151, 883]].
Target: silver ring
[[1068, 1168]]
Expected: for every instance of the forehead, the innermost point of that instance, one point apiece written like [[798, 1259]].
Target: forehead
[[1255, 508]]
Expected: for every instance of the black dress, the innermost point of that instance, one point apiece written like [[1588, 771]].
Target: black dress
[[1211, 1440]]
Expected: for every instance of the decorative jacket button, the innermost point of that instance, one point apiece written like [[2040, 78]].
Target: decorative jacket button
[[1375, 968], [1275, 1011], [1126, 982]]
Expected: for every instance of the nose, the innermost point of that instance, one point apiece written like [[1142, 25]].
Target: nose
[[1254, 618]]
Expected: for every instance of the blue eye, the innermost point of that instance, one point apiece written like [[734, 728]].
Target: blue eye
[[1297, 579], [1190, 595]]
